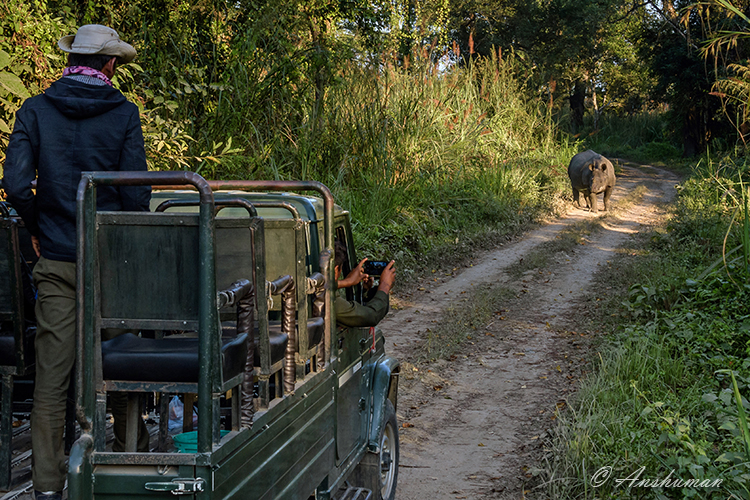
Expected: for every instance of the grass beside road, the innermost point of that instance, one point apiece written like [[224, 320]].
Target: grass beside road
[[468, 318]]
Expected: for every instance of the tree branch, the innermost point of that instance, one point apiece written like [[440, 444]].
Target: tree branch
[[672, 23], [635, 7]]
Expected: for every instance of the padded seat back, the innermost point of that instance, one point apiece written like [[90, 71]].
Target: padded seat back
[[8, 354], [148, 270], [282, 252], [156, 271], [149, 267], [315, 329], [16, 338], [7, 348]]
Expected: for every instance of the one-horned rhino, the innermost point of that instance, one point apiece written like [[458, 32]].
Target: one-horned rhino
[[591, 173]]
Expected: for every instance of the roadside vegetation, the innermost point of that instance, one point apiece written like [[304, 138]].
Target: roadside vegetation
[[644, 138], [439, 134], [667, 382]]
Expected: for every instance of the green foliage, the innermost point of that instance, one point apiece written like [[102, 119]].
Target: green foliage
[[423, 155], [726, 44], [420, 158], [423, 159], [649, 396], [644, 137], [28, 55], [587, 46]]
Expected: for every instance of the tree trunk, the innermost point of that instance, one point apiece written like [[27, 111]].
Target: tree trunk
[[552, 87], [578, 105], [692, 133], [596, 109]]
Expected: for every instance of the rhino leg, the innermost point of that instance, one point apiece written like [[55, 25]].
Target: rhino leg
[[592, 203], [576, 194], [607, 194]]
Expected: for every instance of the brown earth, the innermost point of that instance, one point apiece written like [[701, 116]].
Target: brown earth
[[473, 426]]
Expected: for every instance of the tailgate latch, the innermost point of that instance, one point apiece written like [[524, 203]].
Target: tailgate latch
[[179, 486]]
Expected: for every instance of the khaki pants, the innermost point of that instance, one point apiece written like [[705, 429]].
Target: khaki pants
[[55, 355]]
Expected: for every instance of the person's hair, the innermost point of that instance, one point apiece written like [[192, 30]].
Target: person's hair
[[95, 61], [340, 254]]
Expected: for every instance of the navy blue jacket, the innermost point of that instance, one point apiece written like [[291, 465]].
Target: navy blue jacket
[[72, 127]]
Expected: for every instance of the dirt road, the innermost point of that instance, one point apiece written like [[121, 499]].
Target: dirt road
[[473, 426]]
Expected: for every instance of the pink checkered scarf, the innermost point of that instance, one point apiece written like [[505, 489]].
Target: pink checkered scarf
[[85, 70]]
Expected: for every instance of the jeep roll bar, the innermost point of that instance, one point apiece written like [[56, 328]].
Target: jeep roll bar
[[86, 204], [225, 202]]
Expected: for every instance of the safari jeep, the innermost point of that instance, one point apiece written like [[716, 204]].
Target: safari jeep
[[225, 291]]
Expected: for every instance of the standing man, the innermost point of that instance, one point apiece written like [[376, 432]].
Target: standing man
[[80, 123]]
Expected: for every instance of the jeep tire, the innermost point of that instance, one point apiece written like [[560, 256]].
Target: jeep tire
[[379, 471]]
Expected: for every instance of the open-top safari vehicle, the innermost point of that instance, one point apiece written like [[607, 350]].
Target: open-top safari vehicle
[[225, 291]]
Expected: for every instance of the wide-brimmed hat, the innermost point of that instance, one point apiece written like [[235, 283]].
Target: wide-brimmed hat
[[97, 39]]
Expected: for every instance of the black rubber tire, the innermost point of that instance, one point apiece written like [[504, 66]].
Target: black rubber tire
[[389, 455], [370, 472]]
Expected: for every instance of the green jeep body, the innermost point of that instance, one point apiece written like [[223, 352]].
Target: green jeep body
[[324, 415]]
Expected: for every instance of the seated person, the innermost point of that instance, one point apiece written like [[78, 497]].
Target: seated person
[[354, 314]]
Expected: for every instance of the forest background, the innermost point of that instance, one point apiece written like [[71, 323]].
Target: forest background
[[444, 126], [433, 121]]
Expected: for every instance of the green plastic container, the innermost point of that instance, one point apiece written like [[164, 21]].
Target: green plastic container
[[187, 442]]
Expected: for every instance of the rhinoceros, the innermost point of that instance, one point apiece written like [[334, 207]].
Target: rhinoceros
[[590, 173]]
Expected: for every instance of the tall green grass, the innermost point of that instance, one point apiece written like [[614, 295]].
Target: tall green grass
[[428, 159], [422, 157], [438, 156]]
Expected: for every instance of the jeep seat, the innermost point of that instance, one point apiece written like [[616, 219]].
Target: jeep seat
[[171, 359], [278, 339], [16, 336], [8, 344], [146, 273]]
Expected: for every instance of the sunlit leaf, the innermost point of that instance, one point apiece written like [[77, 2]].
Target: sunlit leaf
[[4, 59], [13, 84]]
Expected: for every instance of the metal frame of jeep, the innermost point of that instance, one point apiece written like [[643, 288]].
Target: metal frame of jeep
[[323, 420]]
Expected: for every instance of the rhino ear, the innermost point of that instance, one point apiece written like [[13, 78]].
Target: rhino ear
[[591, 167], [604, 167]]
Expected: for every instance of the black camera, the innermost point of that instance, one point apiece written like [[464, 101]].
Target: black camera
[[375, 267]]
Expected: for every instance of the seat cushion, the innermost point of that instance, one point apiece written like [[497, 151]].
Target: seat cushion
[[278, 341], [277, 338], [7, 348], [315, 328], [171, 359], [8, 345]]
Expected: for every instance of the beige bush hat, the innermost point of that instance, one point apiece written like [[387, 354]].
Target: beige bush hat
[[97, 39]]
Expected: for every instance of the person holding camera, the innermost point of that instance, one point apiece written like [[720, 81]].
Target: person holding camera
[[351, 313]]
